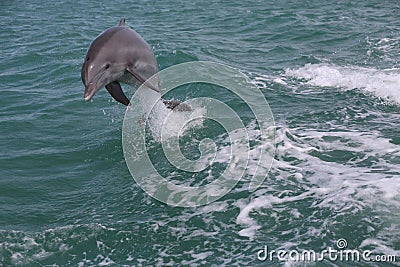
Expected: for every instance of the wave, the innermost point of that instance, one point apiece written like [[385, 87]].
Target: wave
[[385, 49], [20, 248], [355, 174], [303, 185], [381, 83]]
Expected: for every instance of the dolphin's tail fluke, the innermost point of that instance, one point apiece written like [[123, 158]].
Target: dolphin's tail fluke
[[176, 105]]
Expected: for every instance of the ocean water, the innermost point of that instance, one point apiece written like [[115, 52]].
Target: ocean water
[[330, 71]]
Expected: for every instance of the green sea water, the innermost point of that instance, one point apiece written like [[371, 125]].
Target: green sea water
[[330, 72]]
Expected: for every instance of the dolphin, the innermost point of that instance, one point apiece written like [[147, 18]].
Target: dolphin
[[120, 55]]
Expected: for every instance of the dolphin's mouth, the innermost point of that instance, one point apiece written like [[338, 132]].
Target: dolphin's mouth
[[88, 97], [93, 86], [90, 90]]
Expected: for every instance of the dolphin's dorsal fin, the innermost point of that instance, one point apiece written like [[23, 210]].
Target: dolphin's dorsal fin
[[122, 22]]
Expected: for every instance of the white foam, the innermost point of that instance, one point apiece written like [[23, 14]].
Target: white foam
[[265, 201], [28, 248], [385, 48], [16, 258], [347, 175], [202, 255], [381, 83], [233, 152], [340, 185], [103, 260], [380, 246], [167, 123], [264, 81]]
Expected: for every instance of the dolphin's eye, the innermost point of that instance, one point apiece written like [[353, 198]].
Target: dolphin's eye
[[107, 66], [87, 59]]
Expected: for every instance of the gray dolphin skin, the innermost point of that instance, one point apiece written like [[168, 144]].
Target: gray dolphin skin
[[119, 54]]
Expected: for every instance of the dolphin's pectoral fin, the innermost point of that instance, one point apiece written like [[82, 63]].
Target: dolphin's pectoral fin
[[115, 90], [140, 78], [176, 105], [122, 22]]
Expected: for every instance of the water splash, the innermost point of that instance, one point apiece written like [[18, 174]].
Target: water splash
[[381, 83]]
